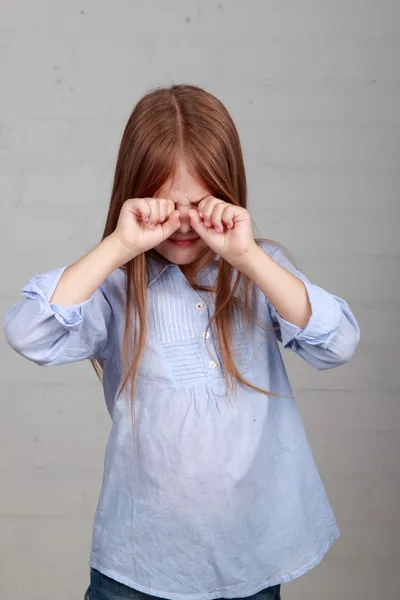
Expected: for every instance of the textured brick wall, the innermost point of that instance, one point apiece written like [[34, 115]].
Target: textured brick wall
[[314, 88]]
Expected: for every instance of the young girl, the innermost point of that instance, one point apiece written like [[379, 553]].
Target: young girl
[[210, 489]]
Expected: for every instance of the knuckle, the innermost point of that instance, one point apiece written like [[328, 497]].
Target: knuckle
[[133, 202], [146, 210]]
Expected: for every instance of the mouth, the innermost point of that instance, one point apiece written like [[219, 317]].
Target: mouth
[[183, 243]]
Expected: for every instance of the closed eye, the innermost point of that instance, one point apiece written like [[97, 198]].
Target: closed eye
[[198, 201], [195, 201]]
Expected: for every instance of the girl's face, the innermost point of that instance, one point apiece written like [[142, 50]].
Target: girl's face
[[184, 246]]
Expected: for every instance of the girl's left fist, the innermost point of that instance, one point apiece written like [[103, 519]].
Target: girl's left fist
[[226, 228]]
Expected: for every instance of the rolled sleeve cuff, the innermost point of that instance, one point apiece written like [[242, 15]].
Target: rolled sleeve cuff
[[41, 288], [325, 317]]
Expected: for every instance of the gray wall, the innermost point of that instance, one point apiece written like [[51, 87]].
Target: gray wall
[[314, 87]]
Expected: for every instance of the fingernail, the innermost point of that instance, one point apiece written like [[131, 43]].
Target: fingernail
[[151, 225], [207, 223]]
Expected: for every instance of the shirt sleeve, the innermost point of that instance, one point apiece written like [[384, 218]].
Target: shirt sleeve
[[51, 334], [332, 333]]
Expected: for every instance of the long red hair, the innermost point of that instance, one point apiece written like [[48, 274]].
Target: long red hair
[[169, 125]]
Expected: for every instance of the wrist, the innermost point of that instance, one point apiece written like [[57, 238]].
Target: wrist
[[117, 254], [247, 261]]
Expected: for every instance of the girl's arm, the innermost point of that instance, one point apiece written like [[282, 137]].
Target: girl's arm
[[314, 323], [65, 314], [286, 292], [81, 279]]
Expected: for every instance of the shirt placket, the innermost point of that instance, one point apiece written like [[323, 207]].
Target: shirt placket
[[203, 305]]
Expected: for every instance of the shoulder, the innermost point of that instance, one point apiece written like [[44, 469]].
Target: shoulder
[[270, 247], [277, 252]]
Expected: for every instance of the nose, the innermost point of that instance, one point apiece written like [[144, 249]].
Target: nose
[[183, 206]]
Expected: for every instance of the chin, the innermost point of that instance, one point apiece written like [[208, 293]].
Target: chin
[[181, 256]]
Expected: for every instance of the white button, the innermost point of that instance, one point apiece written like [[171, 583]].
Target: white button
[[199, 305], [206, 334], [212, 364]]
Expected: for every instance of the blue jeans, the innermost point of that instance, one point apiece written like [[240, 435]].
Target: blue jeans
[[104, 588]]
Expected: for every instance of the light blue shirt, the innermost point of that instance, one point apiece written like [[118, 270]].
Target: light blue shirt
[[215, 495]]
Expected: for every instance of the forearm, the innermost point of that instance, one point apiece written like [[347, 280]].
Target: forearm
[[82, 278], [285, 291]]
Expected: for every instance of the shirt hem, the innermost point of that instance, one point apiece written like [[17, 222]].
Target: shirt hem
[[222, 593]]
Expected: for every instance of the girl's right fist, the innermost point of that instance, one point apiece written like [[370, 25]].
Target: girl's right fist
[[144, 223]]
